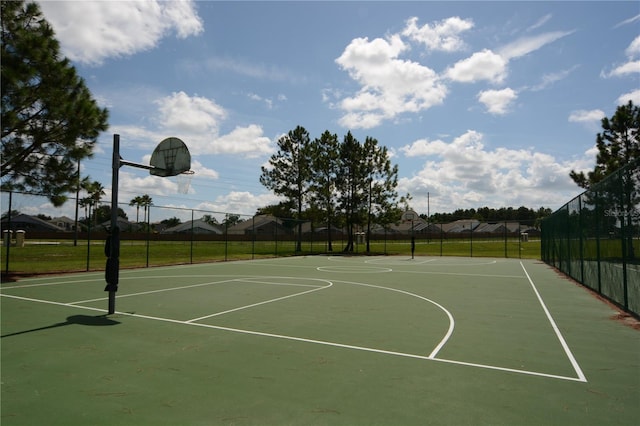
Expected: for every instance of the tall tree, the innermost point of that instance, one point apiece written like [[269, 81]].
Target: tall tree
[[50, 120], [146, 201], [381, 179], [289, 172], [352, 194], [137, 202], [325, 166], [618, 145], [95, 192]]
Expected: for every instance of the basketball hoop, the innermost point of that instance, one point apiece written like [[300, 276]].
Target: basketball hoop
[[184, 181]]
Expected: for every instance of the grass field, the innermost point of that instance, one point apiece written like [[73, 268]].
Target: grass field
[[318, 340], [62, 256]]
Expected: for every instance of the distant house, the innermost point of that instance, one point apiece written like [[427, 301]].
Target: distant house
[[198, 226], [29, 223], [123, 224], [498, 227], [64, 222], [320, 230], [460, 226], [260, 225]]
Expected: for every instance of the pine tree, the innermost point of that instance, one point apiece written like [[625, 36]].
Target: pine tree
[[49, 119], [618, 145]]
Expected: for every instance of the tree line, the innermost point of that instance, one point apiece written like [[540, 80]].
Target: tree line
[[332, 182], [486, 214]]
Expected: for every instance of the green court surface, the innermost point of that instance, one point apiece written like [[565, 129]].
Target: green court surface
[[318, 341]]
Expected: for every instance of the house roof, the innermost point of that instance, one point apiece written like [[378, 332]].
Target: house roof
[[30, 222], [256, 221], [198, 226]]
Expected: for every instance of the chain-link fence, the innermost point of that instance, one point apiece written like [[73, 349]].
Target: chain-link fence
[[595, 238], [61, 240]]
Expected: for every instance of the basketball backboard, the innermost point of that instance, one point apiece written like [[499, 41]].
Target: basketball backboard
[[170, 158]]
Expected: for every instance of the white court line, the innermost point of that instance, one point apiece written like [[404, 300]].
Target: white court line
[[161, 290], [431, 356], [301, 339], [261, 303], [574, 363]]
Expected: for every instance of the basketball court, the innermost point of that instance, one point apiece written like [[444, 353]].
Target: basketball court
[[318, 340]]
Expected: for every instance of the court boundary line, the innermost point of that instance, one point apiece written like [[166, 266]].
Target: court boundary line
[[431, 356], [305, 340], [563, 342], [264, 302]]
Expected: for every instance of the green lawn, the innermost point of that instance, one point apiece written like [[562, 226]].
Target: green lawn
[[63, 256]]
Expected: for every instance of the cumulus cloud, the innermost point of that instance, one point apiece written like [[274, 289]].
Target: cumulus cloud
[[487, 65], [240, 202], [631, 66], [464, 173], [497, 101], [389, 86], [92, 31], [443, 35], [197, 121], [633, 96], [586, 116], [484, 65]]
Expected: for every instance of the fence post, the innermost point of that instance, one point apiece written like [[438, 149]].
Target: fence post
[[623, 240], [471, 237], [253, 237], [226, 236], [598, 255], [580, 239], [148, 231], [8, 233], [505, 238], [191, 247]]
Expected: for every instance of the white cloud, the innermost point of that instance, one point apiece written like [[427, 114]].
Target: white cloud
[[242, 67], [628, 21], [389, 86], [240, 202], [631, 67], [634, 48], [586, 116], [92, 31], [483, 65], [497, 101], [633, 96], [540, 22], [463, 173], [190, 115], [248, 141], [526, 45], [197, 121], [442, 35], [550, 78]]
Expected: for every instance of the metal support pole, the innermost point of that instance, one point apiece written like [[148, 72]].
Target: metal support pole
[[113, 249]]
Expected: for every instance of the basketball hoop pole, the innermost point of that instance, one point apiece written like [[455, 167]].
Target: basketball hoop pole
[[112, 245], [112, 248]]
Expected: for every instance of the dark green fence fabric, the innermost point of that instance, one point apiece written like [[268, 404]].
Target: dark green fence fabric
[[595, 238]]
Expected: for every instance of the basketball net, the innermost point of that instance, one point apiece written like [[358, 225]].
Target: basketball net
[[184, 181]]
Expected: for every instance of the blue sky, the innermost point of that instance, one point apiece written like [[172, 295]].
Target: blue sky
[[480, 103]]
